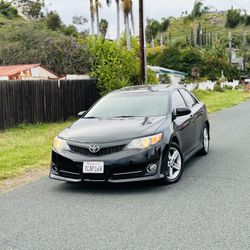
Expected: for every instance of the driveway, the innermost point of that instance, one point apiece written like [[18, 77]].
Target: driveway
[[208, 209]]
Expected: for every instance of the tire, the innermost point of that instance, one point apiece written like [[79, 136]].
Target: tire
[[172, 165], [205, 141]]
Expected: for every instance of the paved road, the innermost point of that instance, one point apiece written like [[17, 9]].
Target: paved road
[[208, 209]]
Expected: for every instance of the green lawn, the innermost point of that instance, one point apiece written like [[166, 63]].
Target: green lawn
[[216, 101], [29, 147]]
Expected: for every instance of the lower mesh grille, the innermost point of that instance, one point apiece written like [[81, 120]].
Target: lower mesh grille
[[102, 152]]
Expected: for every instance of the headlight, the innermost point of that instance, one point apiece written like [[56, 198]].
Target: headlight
[[60, 144], [144, 143]]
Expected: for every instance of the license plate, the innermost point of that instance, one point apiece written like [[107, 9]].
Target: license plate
[[93, 167]]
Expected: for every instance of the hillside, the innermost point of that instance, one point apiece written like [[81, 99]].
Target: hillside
[[212, 23], [16, 20]]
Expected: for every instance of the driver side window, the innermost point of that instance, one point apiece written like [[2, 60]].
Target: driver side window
[[177, 100]]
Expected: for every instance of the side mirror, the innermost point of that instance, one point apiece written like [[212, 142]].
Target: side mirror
[[80, 114], [182, 112]]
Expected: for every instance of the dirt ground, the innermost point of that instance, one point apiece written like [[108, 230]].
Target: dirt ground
[[26, 178]]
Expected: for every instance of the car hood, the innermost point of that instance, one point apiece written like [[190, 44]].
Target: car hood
[[112, 130]]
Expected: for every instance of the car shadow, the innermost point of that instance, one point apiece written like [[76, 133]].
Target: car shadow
[[110, 188]]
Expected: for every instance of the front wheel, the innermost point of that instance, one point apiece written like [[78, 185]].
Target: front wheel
[[172, 165]]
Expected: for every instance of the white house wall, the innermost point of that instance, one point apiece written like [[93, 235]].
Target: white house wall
[[40, 72], [4, 78]]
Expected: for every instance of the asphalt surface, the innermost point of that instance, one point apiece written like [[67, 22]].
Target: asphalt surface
[[208, 209]]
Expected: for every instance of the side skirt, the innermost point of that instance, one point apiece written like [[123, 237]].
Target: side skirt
[[195, 151]]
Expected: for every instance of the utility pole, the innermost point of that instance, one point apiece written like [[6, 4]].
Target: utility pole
[[245, 54], [230, 46], [143, 72]]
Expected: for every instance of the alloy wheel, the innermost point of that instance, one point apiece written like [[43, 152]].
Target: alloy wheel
[[174, 163], [205, 140]]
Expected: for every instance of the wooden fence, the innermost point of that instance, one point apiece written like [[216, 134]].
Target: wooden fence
[[44, 101]]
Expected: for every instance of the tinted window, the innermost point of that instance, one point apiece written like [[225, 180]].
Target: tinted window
[[131, 104], [188, 98], [178, 101]]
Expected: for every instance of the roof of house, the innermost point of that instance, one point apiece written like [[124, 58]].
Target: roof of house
[[15, 69]]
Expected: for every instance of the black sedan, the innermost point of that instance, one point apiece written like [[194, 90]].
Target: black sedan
[[133, 134]]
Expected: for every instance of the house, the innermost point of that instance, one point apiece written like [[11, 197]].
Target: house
[[175, 77], [22, 7], [26, 72]]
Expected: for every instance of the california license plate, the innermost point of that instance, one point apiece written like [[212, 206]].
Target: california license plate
[[93, 167]]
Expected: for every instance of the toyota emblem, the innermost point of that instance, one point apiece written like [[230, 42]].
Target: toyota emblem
[[94, 149]]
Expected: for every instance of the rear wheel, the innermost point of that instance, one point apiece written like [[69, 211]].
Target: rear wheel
[[172, 165], [205, 141]]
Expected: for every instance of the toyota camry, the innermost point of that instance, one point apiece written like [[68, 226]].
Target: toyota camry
[[133, 134]]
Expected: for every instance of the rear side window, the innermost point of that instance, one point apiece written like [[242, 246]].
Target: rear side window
[[189, 99], [177, 100]]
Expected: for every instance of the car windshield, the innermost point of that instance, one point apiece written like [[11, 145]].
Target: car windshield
[[117, 105]]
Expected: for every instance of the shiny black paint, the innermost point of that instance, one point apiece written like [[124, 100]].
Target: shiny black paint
[[130, 165]]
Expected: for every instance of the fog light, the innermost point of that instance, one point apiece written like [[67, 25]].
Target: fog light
[[152, 168], [54, 169]]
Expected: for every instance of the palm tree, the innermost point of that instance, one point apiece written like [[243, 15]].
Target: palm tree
[[97, 6], [104, 27], [92, 14], [118, 12], [127, 10]]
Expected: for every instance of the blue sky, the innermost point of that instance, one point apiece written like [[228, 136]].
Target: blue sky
[[154, 9]]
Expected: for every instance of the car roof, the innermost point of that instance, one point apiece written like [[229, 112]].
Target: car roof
[[148, 88]]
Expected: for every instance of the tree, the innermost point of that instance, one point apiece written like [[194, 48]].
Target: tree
[[165, 22], [153, 28], [127, 11], [34, 43], [247, 21], [118, 25], [97, 6], [233, 18], [79, 21], [92, 16], [53, 21], [103, 27], [199, 9], [33, 10], [7, 10]]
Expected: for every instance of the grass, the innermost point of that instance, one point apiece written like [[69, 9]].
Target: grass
[[216, 101], [27, 147]]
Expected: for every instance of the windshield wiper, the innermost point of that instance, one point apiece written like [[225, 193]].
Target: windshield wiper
[[91, 117], [124, 116]]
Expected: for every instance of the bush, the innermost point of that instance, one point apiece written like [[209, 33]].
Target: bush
[[53, 21], [218, 88], [227, 87], [112, 65]]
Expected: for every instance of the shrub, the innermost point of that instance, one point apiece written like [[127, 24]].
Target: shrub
[[112, 65], [218, 88], [227, 87]]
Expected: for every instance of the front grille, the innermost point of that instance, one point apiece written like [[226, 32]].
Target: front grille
[[102, 152]]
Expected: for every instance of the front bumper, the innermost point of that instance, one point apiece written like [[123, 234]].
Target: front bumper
[[124, 166]]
